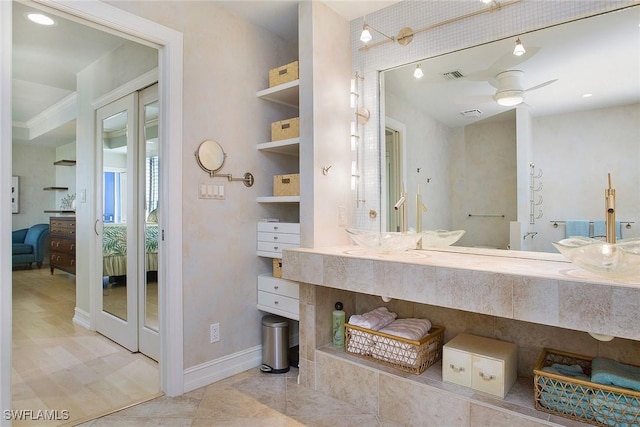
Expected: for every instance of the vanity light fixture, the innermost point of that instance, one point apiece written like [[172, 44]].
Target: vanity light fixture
[[405, 35], [366, 36], [417, 73], [518, 49], [41, 19]]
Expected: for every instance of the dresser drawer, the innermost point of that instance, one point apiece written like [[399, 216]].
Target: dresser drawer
[[63, 245], [279, 237], [456, 366], [64, 226], [279, 227], [279, 302], [64, 261], [267, 283], [275, 248]]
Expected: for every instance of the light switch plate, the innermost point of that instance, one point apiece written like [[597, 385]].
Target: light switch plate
[[211, 190]]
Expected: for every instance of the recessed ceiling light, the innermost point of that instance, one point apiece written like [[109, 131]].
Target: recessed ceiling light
[[587, 95], [41, 19]]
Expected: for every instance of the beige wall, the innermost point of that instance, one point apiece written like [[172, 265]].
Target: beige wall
[[34, 166], [607, 141], [226, 61]]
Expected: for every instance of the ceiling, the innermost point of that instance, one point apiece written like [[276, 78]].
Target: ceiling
[[45, 63], [47, 59], [598, 55]]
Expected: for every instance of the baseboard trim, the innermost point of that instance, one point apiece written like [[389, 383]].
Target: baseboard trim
[[219, 369], [82, 318]]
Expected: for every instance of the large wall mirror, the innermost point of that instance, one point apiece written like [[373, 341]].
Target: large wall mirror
[[512, 175]]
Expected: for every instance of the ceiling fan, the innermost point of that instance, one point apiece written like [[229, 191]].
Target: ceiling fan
[[509, 90]]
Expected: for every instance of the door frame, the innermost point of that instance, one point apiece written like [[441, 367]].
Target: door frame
[[170, 54]]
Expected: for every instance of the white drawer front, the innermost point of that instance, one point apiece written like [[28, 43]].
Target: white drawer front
[[456, 367], [291, 305], [488, 376], [274, 247], [278, 286], [279, 227], [278, 237]]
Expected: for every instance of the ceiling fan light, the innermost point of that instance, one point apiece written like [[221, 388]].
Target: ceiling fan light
[[417, 73], [509, 98], [519, 49], [365, 36]]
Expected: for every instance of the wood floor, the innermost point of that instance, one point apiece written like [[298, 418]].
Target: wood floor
[[58, 365]]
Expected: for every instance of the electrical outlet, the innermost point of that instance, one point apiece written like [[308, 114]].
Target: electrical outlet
[[215, 332]]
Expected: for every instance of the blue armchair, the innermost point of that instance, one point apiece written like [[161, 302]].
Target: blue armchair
[[29, 244]]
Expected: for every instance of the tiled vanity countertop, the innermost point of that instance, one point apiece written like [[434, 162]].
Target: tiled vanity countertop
[[540, 288]]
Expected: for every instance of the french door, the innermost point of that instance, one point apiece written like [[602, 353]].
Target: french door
[[128, 178]]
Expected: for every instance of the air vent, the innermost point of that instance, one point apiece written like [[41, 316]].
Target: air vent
[[453, 75], [471, 114]]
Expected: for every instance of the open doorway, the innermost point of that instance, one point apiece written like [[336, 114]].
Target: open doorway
[[50, 78], [170, 76]]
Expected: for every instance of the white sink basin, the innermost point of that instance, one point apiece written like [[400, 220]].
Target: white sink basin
[[440, 238], [384, 242], [615, 260]]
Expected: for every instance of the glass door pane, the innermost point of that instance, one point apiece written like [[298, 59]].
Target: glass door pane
[[150, 223], [152, 174], [118, 245], [114, 236]]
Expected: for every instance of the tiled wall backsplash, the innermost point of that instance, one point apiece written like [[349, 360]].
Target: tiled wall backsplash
[[509, 21]]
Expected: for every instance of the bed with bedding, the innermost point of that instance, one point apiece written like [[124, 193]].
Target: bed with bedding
[[114, 249]]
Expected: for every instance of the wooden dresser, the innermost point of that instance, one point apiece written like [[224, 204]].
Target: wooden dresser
[[63, 243]]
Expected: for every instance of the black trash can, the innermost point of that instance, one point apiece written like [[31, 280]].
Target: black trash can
[[275, 344]]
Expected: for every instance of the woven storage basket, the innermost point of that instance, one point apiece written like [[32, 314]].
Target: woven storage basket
[[408, 355], [283, 74], [580, 400], [285, 129], [286, 185]]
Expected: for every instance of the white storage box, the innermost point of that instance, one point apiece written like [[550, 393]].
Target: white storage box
[[480, 363]]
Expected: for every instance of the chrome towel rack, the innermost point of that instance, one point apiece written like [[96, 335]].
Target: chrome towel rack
[[627, 223]]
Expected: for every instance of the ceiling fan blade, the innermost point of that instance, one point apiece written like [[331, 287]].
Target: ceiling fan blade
[[541, 85], [473, 99]]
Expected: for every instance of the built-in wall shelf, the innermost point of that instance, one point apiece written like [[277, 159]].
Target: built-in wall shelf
[[284, 94], [289, 147], [60, 211], [518, 402], [65, 163], [278, 199], [56, 188]]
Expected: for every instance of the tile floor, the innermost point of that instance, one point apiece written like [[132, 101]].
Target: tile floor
[[251, 398]]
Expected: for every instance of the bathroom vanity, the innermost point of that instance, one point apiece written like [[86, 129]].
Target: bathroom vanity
[[534, 300]]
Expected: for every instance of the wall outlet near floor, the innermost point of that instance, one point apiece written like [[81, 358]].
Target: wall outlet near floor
[[214, 332]]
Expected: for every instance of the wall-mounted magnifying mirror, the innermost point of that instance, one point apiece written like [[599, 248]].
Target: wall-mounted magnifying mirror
[[210, 156]]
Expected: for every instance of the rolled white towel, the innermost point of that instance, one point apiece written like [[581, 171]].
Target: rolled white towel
[[412, 329], [374, 319]]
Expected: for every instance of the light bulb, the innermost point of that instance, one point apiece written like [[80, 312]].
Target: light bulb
[[365, 37], [518, 50], [41, 19], [417, 73]]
